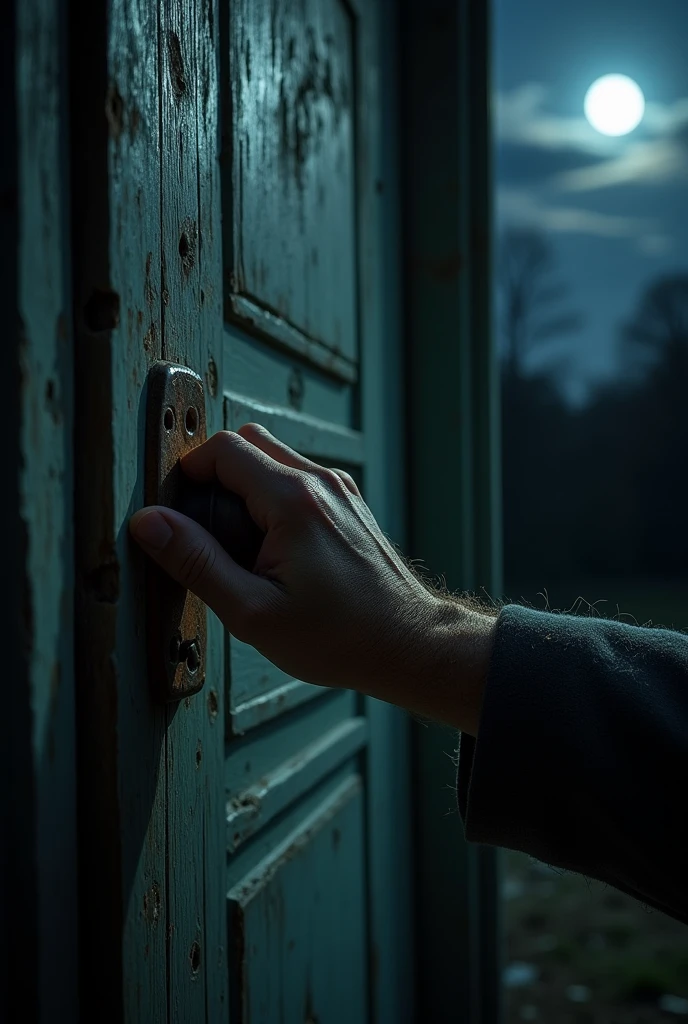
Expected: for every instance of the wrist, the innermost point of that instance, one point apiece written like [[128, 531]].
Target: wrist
[[444, 663]]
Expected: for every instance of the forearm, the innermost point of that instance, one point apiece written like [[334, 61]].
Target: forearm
[[442, 666], [582, 755]]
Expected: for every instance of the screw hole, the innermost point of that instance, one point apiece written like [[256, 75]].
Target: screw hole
[[169, 418], [191, 420], [190, 652]]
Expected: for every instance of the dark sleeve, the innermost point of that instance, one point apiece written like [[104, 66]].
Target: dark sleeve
[[581, 758]]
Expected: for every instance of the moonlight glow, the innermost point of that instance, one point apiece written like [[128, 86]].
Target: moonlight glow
[[614, 105]]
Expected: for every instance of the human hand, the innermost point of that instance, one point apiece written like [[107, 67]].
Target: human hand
[[330, 601]]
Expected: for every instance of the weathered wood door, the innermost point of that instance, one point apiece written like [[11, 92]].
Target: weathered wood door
[[245, 852]]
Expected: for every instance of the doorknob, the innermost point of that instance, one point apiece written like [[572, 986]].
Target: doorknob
[[223, 514], [176, 620]]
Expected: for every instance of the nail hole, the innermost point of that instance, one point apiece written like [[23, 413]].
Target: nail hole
[[101, 311], [168, 418], [191, 420], [212, 704], [195, 957]]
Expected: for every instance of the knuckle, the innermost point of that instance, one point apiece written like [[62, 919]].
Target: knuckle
[[329, 476], [251, 428], [226, 438], [347, 480], [197, 565]]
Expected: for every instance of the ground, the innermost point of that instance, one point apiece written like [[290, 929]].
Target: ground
[[578, 951]]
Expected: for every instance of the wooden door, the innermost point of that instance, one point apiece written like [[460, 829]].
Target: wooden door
[[244, 852]]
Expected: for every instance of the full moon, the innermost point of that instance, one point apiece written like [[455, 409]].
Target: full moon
[[614, 105]]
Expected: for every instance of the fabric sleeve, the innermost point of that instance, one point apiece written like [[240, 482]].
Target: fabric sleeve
[[581, 758]]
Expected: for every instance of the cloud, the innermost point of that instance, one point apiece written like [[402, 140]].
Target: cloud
[[526, 209], [653, 162], [520, 119], [660, 155]]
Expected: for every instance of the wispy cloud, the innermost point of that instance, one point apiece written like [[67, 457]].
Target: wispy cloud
[[658, 155], [526, 209]]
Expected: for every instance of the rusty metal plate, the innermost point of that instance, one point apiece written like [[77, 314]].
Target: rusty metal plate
[[177, 619]]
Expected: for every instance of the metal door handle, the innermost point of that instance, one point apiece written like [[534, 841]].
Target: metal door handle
[[223, 514]]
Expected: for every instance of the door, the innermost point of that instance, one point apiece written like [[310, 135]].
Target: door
[[244, 852]]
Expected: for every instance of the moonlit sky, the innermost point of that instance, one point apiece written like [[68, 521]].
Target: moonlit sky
[[616, 209]]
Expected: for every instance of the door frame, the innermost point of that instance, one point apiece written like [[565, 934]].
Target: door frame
[[454, 459]]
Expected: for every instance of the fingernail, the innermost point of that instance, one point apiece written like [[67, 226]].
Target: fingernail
[[151, 529]]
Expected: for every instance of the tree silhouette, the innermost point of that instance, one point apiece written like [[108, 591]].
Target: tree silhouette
[[656, 338], [529, 297]]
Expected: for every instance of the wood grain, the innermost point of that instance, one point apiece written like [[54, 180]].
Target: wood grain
[[38, 829], [192, 322], [291, 171]]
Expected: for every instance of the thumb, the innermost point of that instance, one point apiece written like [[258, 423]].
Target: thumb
[[194, 558]]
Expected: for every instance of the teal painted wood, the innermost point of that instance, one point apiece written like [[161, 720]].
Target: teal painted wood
[[39, 827], [116, 241], [278, 770], [290, 964], [291, 83], [148, 273], [454, 458], [388, 769], [275, 379], [295, 755], [192, 324]]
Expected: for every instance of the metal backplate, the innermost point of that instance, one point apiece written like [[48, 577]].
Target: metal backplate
[[175, 423]]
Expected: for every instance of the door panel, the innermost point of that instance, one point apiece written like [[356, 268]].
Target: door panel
[[263, 780], [318, 846], [293, 263], [276, 378], [303, 936]]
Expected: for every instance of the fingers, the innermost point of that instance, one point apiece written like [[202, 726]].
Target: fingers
[[196, 560], [280, 452], [241, 467], [276, 449]]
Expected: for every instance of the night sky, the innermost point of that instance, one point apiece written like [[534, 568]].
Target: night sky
[[615, 208]]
